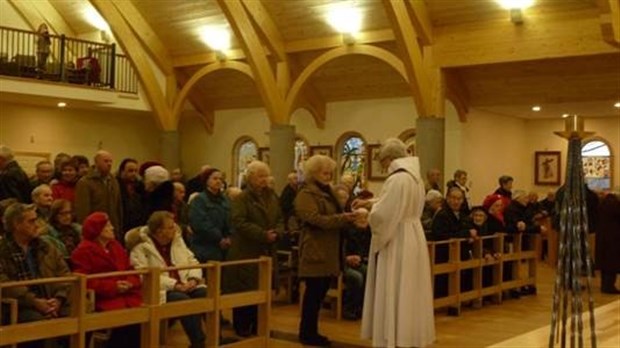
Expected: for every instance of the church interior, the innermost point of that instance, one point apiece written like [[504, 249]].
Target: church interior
[[468, 85]]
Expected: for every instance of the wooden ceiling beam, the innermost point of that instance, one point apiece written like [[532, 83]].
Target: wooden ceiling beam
[[195, 97], [133, 48], [147, 36], [257, 58], [28, 11], [501, 41], [310, 97], [411, 53], [421, 21], [457, 93], [267, 27], [610, 21]]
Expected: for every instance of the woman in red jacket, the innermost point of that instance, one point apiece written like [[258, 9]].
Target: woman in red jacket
[[100, 252]]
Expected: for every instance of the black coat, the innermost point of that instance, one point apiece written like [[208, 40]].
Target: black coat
[[161, 198], [14, 183], [518, 212], [133, 205], [608, 235]]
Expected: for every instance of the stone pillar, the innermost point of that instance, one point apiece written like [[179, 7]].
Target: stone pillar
[[281, 152], [430, 134], [170, 154]]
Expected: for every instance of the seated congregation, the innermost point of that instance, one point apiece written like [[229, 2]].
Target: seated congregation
[[73, 218]]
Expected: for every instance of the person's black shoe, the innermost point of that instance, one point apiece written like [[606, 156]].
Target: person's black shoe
[[515, 294], [316, 340], [528, 290], [228, 340], [612, 290]]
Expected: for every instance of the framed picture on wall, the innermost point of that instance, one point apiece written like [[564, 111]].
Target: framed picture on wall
[[547, 168], [375, 172], [325, 150], [263, 154]]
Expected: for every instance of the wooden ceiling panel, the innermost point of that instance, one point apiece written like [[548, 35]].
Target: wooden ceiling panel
[[304, 19], [358, 77], [73, 11], [563, 80], [452, 12], [177, 23], [229, 89]]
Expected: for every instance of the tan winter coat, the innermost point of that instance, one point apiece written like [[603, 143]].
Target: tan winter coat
[[96, 193]]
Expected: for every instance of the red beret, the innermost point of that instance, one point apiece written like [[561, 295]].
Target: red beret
[[490, 199], [94, 224]]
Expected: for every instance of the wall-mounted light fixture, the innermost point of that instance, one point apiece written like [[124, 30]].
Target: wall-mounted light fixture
[[516, 8], [346, 19], [218, 39]]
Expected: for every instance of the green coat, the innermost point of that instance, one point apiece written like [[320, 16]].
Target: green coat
[[252, 215], [320, 248]]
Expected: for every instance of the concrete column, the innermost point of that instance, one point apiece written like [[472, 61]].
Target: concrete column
[[430, 134], [281, 152], [170, 151]]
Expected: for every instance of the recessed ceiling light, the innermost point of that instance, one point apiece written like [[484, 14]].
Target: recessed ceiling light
[[565, 115], [218, 38], [345, 18], [61, 104], [536, 108], [515, 4], [617, 105]]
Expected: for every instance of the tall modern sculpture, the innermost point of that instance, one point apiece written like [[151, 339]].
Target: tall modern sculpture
[[573, 248]]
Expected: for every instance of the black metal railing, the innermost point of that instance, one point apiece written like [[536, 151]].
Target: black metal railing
[[59, 58]]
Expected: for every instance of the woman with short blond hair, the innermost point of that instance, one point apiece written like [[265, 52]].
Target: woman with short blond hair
[[320, 252]]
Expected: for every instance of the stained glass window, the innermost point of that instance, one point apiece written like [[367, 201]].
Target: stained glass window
[[352, 160], [596, 159]]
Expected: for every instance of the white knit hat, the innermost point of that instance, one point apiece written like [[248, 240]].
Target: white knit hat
[[431, 195], [156, 175]]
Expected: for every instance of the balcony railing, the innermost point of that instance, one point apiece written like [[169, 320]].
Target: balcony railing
[[59, 58]]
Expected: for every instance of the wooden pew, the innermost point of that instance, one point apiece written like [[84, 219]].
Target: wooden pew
[[151, 313]]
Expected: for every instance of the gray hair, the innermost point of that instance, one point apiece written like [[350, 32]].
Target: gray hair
[[6, 152], [15, 213], [156, 220], [315, 163], [38, 190], [392, 148], [255, 167]]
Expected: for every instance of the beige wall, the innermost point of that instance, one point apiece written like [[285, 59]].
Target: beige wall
[[53, 130]]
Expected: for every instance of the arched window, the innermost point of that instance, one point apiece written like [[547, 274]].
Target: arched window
[[596, 160], [245, 151], [352, 158]]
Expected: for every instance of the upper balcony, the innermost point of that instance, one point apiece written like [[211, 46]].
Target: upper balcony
[[64, 67]]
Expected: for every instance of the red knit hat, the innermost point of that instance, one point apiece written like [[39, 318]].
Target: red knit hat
[[94, 224], [490, 199]]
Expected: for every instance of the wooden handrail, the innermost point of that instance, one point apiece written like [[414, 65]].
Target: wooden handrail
[[242, 262], [142, 271], [13, 284]]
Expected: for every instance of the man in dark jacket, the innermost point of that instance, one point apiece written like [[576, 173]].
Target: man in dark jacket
[[132, 195], [607, 246], [14, 182], [287, 198]]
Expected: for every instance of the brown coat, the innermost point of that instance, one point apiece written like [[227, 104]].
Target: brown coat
[[320, 251], [96, 193], [252, 215]]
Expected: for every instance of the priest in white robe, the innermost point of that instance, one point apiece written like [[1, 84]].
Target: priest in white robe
[[398, 304]]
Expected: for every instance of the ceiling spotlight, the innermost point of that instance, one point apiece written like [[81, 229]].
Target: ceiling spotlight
[[565, 115], [515, 4], [617, 105], [94, 18], [61, 104], [536, 108], [217, 38], [345, 18]]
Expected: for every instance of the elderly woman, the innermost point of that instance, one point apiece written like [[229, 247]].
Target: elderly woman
[[100, 252], [62, 231], [209, 218], [42, 199], [258, 223], [160, 244], [398, 303], [320, 256]]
